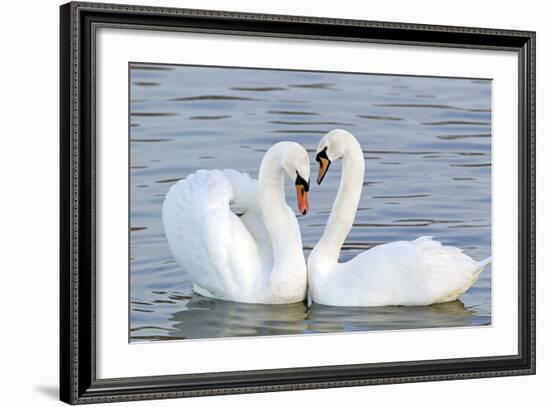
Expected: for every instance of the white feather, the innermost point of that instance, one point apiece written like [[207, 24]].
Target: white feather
[[228, 256], [418, 272]]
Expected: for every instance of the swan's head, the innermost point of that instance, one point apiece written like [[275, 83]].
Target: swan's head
[[295, 162], [332, 147]]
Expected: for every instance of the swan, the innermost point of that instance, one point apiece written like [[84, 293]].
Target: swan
[[253, 258], [418, 272]]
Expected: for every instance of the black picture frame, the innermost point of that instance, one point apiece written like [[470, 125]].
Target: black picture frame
[[78, 381]]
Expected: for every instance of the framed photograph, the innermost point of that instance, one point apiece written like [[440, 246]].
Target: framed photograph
[[255, 203]]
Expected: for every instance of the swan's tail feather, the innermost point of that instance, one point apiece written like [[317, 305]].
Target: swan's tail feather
[[480, 267], [475, 276], [484, 262]]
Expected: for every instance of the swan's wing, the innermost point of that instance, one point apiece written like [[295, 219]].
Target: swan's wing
[[207, 239], [245, 190], [418, 272]]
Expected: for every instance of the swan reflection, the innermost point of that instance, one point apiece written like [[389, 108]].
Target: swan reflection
[[324, 318], [210, 318]]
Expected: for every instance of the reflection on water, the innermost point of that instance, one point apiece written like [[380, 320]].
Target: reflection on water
[[209, 318], [202, 317], [427, 146]]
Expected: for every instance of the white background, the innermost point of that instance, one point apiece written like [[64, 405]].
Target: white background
[[29, 203]]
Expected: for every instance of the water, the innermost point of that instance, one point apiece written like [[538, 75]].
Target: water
[[427, 146]]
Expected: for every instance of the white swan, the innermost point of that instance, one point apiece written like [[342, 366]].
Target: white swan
[[254, 258], [418, 272]]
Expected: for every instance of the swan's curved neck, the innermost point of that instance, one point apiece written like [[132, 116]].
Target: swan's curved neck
[[277, 219], [342, 215]]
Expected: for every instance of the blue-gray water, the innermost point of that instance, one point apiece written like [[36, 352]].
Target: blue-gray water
[[427, 146]]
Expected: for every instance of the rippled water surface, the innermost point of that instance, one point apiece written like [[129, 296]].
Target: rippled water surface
[[427, 146]]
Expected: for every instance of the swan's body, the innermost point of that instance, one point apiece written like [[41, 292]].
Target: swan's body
[[254, 258], [419, 272]]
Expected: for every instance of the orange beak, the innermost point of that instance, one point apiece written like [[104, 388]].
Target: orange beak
[[324, 163], [301, 194]]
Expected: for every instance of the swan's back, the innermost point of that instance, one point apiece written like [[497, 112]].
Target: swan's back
[[418, 272]]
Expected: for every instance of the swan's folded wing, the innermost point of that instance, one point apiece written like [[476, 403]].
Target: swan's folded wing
[[207, 239], [418, 272]]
